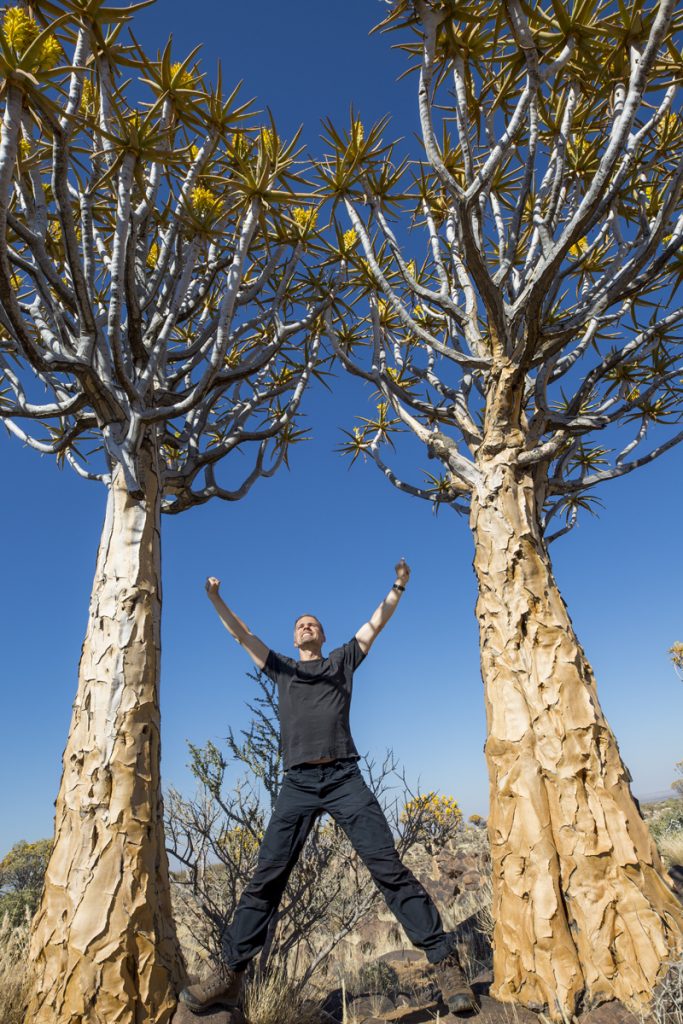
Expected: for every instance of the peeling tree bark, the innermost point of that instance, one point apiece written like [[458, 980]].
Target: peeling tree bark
[[104, 948], [582, 906]]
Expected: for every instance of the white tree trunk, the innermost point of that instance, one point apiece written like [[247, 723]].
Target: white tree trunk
[[583, 908], [104, 948]]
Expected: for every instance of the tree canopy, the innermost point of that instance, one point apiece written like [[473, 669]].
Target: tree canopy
[[541, 232], [154, 274]]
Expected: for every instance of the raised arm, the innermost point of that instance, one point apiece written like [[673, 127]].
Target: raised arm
[[254, 647], [368, 633]]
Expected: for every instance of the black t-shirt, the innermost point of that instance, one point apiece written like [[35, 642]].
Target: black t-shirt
[[315, 699]]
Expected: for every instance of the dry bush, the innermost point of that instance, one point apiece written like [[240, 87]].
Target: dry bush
[[13, 970], [376, 977], [667, 1007], [435, 816], [273, 998]]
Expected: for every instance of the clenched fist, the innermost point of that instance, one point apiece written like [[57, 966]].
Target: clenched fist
[[212, 585], [403, 572]]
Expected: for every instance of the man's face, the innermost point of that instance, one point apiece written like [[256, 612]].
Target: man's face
[[308, 632]]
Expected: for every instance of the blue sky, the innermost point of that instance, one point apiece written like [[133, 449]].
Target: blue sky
[[324, 538]]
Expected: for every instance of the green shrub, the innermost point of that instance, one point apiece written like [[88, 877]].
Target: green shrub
[[22, 873], [668, 823], [376, 977]]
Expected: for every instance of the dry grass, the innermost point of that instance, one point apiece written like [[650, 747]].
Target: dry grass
[[375, 1004], [276, 999], [472, 922], [671, 848], [13, 971]]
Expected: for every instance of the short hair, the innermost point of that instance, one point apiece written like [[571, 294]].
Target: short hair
[[308, 615]]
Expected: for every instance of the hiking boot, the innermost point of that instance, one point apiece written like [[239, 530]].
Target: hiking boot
[[222, 988], [455, 992]]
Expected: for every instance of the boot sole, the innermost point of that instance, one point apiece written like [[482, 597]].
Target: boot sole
[[203, 1008], [461, 1003]]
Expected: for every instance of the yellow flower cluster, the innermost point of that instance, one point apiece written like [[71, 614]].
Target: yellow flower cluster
[[239, 143], [50, 53], [153, 255], [305, 219], [349, 238], [240, 840], [206, 203], [268, 139], [88, 98], [24, 148], [669, 126], [20, 30], [439, 816], [357, 132], [393, 373], [181, 79], [578, 249], [386, 313], [411, 267]]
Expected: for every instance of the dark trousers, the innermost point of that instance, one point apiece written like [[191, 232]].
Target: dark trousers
[[337, 788]]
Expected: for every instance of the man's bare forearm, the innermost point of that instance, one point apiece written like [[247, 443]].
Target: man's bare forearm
[[232, 622], [385, 610], [254, 647], [368, 633]]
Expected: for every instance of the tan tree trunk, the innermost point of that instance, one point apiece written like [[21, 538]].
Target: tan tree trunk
[[104, 948], [582, 905]]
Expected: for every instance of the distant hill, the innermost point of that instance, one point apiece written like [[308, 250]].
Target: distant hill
[[656, 798]]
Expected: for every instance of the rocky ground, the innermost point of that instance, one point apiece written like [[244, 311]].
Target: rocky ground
[[415, 1002], [386, 981], [457, 877]]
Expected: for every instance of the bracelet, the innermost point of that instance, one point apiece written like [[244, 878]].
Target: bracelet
[[398, 586]]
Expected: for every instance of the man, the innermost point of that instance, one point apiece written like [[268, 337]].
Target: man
[[322, 775]]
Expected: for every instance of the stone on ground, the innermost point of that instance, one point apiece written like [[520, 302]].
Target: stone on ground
[[217, 1015], [610, 1013]]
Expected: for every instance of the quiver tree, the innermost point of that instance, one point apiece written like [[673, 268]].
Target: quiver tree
[[156, 317], [528, 342]]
